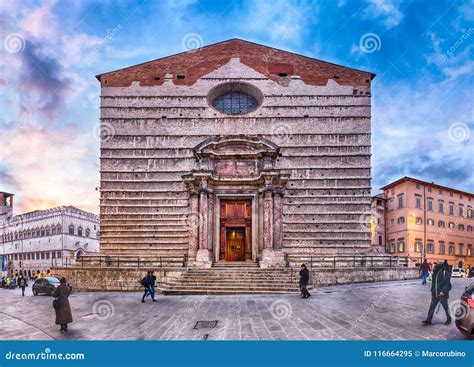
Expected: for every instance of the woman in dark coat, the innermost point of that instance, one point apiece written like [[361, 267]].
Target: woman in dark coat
[[63, 314]]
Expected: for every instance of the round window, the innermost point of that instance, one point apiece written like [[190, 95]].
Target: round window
[[235, 98]]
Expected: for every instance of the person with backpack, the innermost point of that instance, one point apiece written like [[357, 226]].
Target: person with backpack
[[152, 281], [146, 283], [440, 287], [22, 285]]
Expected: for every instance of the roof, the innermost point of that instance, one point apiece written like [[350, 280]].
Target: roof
[[269, 61], [53, 210], [416, 180]]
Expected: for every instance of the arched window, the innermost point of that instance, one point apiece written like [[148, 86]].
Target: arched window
[[58, 229], [79, 231], [88, 232], [79, 254], [71, 229]]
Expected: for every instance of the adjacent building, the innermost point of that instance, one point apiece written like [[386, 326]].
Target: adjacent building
[[377, 223], [424, 219], [235, 152], [36, 241]]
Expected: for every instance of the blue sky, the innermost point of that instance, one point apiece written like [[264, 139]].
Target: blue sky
[[421, 51]]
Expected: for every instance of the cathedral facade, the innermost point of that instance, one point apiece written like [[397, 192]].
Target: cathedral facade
[[235, 152]]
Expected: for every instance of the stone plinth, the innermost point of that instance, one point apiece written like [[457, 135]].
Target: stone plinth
[[272, 258]]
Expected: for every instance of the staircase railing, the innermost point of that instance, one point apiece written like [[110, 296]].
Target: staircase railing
[[130, 261], [347, 261]]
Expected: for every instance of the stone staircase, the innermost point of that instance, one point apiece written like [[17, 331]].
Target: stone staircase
[[232, 278]]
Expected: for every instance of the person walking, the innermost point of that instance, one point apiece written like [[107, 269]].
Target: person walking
[[152, 281], [22, 285], [440, 287], [63, 311], [146, 283], [425, 269], [304, 280]]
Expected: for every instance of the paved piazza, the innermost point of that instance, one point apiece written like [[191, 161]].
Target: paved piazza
[[389, 310]]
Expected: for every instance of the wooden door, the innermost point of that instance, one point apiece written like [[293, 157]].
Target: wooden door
[[235, 222], [235, 244]]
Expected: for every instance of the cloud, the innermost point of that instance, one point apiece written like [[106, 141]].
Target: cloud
[[41, 85], [386, 10], [53, 170]]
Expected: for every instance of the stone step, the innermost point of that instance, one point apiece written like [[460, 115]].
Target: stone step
[[229, 287], [220, 292]]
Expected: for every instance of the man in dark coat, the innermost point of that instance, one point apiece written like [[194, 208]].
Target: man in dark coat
[[146, 283], [63, 314], [152, 285], [304, 280], [440, 287], [425, 269]]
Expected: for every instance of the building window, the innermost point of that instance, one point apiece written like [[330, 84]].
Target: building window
[[442, 247], [392, 247], [451, 194], [461, 210], [42, 256], [79, 231], [430, 204], [441, 224], [48, 232], [71, 229], [417, 246], [469, 250], [53, 231], [441, 206], [418, 201], [400, 246], [47, 255], [58, 229], [451, 208], [88, 232], [59, 255], [53, 255], [469, 212], [429, 189], [469, 228], [440, 192], [400, 200], [401, 220], [451, 249], [461, 249], [461, 227], [451, 225], [430, 222], [380, 241], [417, 186], [430, 247]]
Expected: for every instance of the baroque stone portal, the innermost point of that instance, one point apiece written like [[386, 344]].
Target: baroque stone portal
[[235, 195]]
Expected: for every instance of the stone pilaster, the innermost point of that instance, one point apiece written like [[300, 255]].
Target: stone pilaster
[[193, 225], [268, 220], [277, 221]]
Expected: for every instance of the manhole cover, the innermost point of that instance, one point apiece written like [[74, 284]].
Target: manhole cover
[[205, 324]]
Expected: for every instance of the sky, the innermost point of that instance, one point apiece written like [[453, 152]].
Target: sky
[[422, 96]]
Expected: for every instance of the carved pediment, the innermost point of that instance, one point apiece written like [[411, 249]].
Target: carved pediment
[[235, 160], [225, 147]]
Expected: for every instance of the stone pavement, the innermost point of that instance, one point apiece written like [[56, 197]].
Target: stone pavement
[[389, 310]]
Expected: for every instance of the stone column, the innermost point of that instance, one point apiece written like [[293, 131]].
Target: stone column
[[268, 220], [203, 219], [277, 221], [210, 226], [193, 223], [260, 221], [202, 257]]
